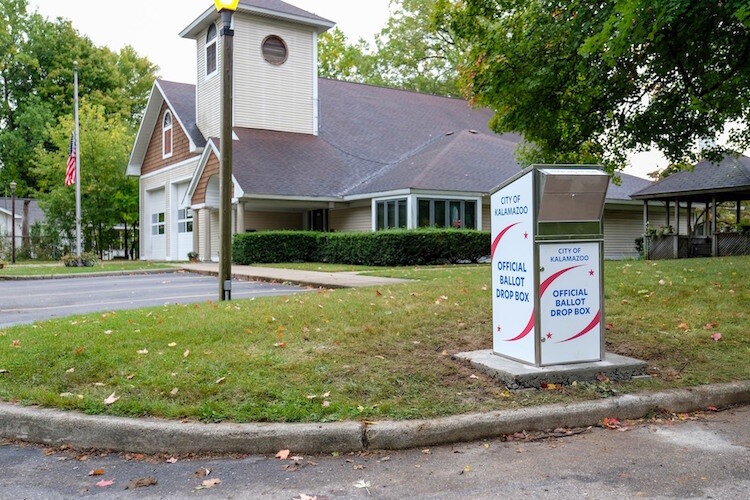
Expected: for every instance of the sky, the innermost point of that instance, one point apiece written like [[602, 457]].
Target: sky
[[152, 28]]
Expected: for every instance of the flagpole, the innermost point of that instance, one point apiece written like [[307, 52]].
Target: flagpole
[[78, 167]]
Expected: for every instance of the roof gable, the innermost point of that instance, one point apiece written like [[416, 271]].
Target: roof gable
[[180, 98], [732, 173]]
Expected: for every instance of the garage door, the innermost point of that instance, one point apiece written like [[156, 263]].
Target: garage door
[[184, 218], [156, 210]]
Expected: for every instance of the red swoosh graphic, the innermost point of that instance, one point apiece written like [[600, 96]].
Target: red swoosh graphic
[[586, 330], [499, 237], [529, 327], [543, 289]]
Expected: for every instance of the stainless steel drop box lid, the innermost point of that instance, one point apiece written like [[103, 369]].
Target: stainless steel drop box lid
[[571, 194]]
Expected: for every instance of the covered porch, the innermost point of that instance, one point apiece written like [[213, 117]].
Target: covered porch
[[714, 198]]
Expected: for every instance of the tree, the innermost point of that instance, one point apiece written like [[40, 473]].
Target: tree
[[416, 50], [598, 80], [106, 193], [36, 84]]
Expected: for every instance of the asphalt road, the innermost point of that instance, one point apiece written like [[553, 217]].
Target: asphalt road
[[707, 457], [28, 301]]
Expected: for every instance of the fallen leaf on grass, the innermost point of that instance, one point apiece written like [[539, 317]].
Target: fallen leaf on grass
[[362, 484], [282, 454], [16, 343], [104, 484], [326, 404], [143, 351], [716, 337], [131, 376], [141, 483], [221, 380], [186, 354], [3, 371], [111, 399], [174, 391], [614, 424], [70, 370], [710, 325], [97, 472], [683, 326]]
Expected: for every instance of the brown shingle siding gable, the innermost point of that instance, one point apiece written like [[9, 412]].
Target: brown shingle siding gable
[[211, 169], [153, 160]]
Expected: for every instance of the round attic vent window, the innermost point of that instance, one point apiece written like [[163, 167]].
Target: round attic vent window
[[274, 50]]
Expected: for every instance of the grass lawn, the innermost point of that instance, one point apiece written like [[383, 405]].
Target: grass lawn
[[31, 268], [367, 353]]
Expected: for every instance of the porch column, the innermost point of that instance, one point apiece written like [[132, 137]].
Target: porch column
[[714, 239], [196, 232], [739, 212], [669, 218], [645, 229], [690, 218], [240, 217], [676, 249], [205, 251]]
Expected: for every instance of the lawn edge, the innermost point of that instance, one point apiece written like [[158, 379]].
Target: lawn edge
[[153, 436], [101, 274]]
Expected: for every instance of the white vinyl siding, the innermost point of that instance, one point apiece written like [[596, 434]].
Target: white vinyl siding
[[267, 96], [162, 179], [351, 219], [208, 90], [621, 228]]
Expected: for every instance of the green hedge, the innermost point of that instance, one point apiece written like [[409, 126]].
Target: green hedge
[[383, 248]]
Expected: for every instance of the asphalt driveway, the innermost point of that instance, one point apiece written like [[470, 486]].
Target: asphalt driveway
[[29, 301]]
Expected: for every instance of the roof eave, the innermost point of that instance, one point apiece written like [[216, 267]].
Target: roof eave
[[199, 24]]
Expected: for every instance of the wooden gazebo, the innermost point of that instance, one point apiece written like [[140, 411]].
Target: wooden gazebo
[[704, 191]]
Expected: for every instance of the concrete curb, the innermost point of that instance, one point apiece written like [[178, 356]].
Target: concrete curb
[[265, 279], [102, 274], [151, 436]]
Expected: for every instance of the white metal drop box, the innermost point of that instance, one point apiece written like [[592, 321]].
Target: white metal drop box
[[547, 265]]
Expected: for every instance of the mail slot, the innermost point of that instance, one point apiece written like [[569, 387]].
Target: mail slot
[[547, 265]]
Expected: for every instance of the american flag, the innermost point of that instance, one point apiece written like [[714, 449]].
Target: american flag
[[70, 174]]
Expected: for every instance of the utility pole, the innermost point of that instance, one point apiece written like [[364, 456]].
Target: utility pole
[[226, 9]]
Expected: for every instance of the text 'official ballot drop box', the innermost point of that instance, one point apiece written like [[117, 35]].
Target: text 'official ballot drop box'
[[547, 265]]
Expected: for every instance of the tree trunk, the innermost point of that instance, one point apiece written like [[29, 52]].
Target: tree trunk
[[127, 257], [101, 240]]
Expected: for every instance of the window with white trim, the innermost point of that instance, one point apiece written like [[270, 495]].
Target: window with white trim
[[185, 220], [158, 225], [392, 214], [459, 214], [212, 58], [166, 133]]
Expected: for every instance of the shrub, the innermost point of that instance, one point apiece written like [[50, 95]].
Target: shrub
[[275, 246], [383, 248], [88, 259]]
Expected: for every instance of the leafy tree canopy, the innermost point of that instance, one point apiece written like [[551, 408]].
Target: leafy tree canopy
[[36, 84], [416, 50], [586, 80]]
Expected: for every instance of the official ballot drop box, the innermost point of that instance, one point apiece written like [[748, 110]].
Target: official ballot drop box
[[547, 265]]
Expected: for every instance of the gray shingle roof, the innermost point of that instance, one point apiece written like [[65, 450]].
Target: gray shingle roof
[[373, 140], [282, 8], [182, 98], [629, 184], [732, 174], [35, 213]]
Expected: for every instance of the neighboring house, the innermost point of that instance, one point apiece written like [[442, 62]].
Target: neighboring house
[[318, 154], [27, 213]]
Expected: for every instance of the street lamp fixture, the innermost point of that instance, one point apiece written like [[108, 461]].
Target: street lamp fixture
[[230, 5], [226, 8], [13, 221]]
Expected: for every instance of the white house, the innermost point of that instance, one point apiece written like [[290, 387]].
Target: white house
[[318, 154]]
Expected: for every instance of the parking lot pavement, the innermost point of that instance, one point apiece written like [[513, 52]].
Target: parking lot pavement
[[29, 301]]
